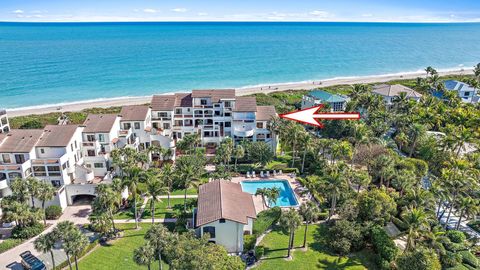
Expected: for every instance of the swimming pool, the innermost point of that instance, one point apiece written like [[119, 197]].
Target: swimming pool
[[286, 198]]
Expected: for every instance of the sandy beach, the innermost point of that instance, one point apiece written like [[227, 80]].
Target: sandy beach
[[307, 85]]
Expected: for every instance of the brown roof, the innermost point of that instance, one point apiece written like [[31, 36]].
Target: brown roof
[[163, 102], [394, 90], [183, 100], [20, 140], [223, 199], [134, 113], [245, 104], [215, 94], [57, 136], [99, 123], [265, 113]]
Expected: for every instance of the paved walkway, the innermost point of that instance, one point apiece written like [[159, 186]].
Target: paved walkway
[[452, 223], [76, 214]]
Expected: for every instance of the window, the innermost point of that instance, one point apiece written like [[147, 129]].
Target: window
[[71, 146], [227, 114], [14, 175], [76, 146], [56, 183], [88, 165], [222, 220], [3, 176], [127, 125], [228, 124], [6, 158], [162, 114], [137, 125], [98, 165], [210, 230], [178, 111], [4, 121], [259, 124], [203, 101], [101, 137], [42, 150], [64, 166], [91, 138], [54, 171], [20, 159], [166, 125], [467, 94], [39, 171], [28, 172], [91, 153]]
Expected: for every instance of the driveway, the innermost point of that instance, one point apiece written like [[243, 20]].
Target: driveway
[[77, 214]]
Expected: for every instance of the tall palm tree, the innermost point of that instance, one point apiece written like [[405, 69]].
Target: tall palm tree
[[416, 132], [466, 204], [417, 221], [107, 201], [46, 243], [238, 153], [159, 238], [19, 189], [63, 230], [361, 179], [334, 183], [262, 192], [307, 144], [295, 132], [75, 243], [133, 177], [290, 221], [272, 195], [155, 188], [144, 255], [187, 172], [33, 188], [310, 213], [45, 192], [167, 176]]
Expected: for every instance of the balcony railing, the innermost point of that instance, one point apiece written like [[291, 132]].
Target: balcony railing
[[3, 112]]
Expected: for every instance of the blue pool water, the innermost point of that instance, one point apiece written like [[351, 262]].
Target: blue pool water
[[286, 198], [55, 63]]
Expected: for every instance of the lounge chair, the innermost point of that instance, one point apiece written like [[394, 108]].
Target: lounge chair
[[261, 174], [280, 172], [248, 174], [253, 174], [274, 173], [268, 174]]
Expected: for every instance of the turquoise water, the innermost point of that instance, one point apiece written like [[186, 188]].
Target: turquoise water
[[56, 63], [286, 198]]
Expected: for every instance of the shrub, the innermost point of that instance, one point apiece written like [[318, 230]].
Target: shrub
[[454, 247], [419, 259], [458, 267], [451, 259], [345, 236], [383, 244], [266, 219], [53, 212], [382, 263], [323, 215], [400, 224], [249, 241], [456, 236], [259, 251], [290, 170], [27, 232], [9, 244], [469, 258]]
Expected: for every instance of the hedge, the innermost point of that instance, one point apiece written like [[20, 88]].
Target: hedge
[[400, 224], [456, 236], [383, 244], [27, 232], [469, 258], [249, 241], [266, 219], [9, 244], [458, 267], [53, 212]]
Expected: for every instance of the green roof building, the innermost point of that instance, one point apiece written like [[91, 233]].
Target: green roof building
[[336, 103]]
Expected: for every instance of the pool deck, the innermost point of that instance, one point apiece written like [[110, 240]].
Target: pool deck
[[294, 184]]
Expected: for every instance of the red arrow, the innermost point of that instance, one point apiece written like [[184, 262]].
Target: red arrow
[[312, 116]]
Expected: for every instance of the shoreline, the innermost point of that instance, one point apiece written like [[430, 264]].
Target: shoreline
[[242, 91]]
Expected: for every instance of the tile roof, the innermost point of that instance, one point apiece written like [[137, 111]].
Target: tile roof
[[394, 90], [183, 100], [245, 104], [223, 199], [216, 94], [163, 102], [265, 113], [57, 136], [134, 112], [20, 140], [326, 96], [99, 123]]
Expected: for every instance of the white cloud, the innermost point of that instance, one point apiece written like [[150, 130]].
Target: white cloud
[[149, 10], [202, 14], [367, 15], [18, 11], [320, 13], [179, 10]]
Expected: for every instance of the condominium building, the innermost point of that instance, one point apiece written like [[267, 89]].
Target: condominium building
[[335, 102], [214, 114], [4, 124], [138, 118], [390, 92]]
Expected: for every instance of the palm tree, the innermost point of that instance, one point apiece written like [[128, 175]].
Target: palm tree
[[159, 238], [63, 230], [134, 174], [466, 204], [33, 188], [295, 132], [361, 179], [46, 243], [430, 70], [19, 189], [144, 255], [416, 131], [290, 221], [187, 172], [106, 201], [155, 188], [274, 126], [272, 195], [310, 213], [262, 192], [75, 243], [167, 177], [306, 141], [45, 192], [334, 183], [238, 153], [417, 222]]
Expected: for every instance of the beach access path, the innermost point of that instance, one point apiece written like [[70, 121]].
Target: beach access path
[[306, 85]]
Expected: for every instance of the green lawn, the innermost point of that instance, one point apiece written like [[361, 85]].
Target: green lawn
[[119, 254], [161, 210], [316, 257], [190, 191]]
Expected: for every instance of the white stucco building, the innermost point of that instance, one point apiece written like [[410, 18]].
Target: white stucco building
[[390, 92], [4, 124], [226, 213]]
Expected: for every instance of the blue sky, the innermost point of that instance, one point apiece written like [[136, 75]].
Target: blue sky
[[241, 10]]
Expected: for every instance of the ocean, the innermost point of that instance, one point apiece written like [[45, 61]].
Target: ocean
[[57, 63]]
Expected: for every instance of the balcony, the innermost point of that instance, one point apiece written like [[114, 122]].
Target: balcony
[[3, 112], [243, 131], [3, 184]]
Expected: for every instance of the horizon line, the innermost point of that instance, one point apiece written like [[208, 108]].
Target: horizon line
[[246, 21]]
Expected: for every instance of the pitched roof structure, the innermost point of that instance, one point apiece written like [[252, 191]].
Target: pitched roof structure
[[163, 102], [394, 90], [99, 123], [20, 140], [183, 100], [457, 86], [224, 200], [216, 95], [326, 96], [134, 113], [245, 104], [57, 135], [265, 113]]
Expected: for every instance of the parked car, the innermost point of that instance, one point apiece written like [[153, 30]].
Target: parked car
[[31, 262]]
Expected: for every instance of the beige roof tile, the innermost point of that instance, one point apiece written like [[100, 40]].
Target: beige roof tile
[[20, 140], [57, 136], [265, 113], [394, 90], [99, 123], [224, 200], [245, 104], [134, 113], [215, 94], [163, 102]]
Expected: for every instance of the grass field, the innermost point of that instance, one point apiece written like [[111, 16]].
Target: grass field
[[161, 210], [119, 254], [316, 257]]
